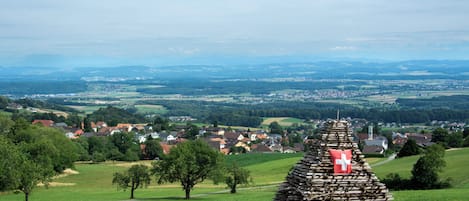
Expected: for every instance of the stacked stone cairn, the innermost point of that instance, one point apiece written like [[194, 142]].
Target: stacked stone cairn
[[313, 178]]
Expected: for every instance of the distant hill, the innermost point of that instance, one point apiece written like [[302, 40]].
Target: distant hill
[[403, 70]]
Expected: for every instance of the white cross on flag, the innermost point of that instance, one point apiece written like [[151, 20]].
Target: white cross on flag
[[342, 160]]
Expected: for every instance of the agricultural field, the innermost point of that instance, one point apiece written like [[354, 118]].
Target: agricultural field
[[151, 109], [93, 181], [283, 121]]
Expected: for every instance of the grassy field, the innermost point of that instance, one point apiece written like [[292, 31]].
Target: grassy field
[[283, 121], [151, 109], [87, 109], [94, 181]]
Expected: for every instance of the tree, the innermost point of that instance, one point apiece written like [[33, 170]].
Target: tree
[[275, 128], [425, 171], [32, 174], [5, 124], [192, 132], [137, 176], [160, 124], [455, 139], [123, 141], [440, 135], [235, 176], [38, 153], [4, 102], [466, 142], [8, 164], [410, 148], [87, 125], [152, 149], [465, 133], [189, 163]]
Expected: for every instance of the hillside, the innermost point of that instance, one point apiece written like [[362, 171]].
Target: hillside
[[94, 181], [456, 165]]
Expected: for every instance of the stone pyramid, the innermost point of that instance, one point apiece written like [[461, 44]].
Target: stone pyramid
[[313, 177]]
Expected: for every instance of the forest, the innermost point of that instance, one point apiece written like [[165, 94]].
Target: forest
[[250, 115]]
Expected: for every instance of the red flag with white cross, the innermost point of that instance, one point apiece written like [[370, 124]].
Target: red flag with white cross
[[342, 160]]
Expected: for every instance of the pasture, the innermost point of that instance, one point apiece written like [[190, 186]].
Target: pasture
[[93, 181]]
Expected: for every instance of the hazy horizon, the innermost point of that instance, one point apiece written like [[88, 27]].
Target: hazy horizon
[[55, 33]]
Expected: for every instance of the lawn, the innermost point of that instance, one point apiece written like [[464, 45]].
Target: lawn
[[94, 181]]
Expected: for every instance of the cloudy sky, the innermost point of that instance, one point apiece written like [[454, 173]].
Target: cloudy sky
[[152, 32]]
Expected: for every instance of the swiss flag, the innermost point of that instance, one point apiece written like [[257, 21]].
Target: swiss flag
[[342, 160]]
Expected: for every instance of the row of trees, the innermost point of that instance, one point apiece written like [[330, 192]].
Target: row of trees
[[250, 115], [118, 147], [189, 163]]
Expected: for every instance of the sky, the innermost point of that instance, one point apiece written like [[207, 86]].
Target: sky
[[78, 33]]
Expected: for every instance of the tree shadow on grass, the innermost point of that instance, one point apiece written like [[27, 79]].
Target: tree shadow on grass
[[201, 196], [170, 198]]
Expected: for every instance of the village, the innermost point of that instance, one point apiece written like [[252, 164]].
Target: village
[[257, 140]]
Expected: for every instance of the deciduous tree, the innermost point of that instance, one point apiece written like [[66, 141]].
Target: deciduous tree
[[425, 171], [189, 163], [235, 176], [137, 176], [410, 148]]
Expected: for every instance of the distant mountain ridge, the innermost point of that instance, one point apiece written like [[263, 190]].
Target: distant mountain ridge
[[423, 69]]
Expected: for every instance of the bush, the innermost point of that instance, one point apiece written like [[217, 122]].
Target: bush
[[395, 182], [98, 157]]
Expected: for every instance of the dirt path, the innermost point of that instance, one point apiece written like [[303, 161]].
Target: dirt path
[[389, 159]]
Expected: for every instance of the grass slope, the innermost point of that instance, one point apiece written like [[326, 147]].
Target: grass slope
[[94, 181], [456, 165]]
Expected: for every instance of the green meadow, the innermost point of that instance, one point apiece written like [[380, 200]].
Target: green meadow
[[283, 121], [93, 181]]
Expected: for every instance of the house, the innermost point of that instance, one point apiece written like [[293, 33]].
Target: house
[[423, 140], [399, 139], [378, 141], [166, 147], [108, 131], [99, 125], [373, 150], [70, 135], [260, 148], [125, 127], [154, 135], [244, 145], [46, 123], [215, 130], [232, 138], [60, 125], [171, 138], [252, 136], [276, 148], [142, 138], [221, 141]]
